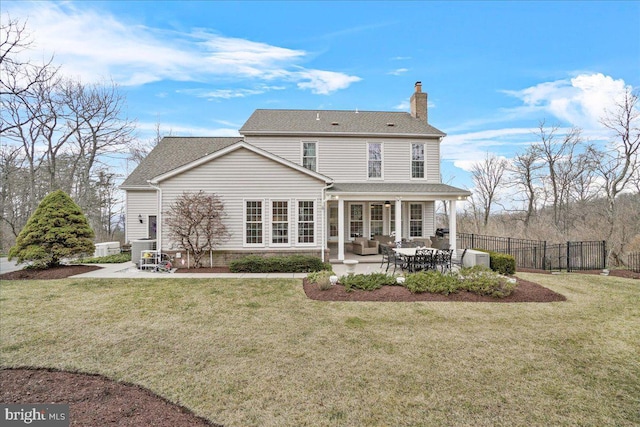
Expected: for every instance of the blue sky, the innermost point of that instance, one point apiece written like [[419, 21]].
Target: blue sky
[[492, 70]]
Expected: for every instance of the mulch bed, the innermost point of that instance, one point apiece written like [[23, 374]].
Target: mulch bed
[[94, 400], [60, 272], [526, 291]]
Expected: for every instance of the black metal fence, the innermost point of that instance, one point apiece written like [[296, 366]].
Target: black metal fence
[[633, 261], [540, 255]]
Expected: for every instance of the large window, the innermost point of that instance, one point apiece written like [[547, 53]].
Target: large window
[[376, 220], [356, 220], [415, 220], [306, 221], [253, 222], [309, 155], [280, 222], [374, 156], [417, 160]]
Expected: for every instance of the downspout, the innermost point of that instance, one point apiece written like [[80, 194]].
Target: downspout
[[324, 220], [159, 224]]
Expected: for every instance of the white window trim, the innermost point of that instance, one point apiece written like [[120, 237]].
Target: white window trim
[[381, 177], [370, 216], [279, 245], [364, 222], [244, 224], [302, 153], [410, 219], [315, 222], [424, 161]]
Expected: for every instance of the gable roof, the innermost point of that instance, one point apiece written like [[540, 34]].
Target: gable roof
[[174, 155], [319, 122], [171, 153], [233, 147]]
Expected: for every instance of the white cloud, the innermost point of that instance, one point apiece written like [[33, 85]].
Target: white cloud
[[229, 93], [466, 149], [323, 82], [398, 71], [580, 101], [92, 45]]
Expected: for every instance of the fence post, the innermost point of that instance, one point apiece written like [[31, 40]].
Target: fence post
[[473, 241], [604, 254], [568, 257], [544, 256]]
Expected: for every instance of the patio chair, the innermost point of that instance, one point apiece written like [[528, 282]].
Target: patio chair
[[397, 261], [443, 259], [364, 246], [424, 260], [385, 249], [409, 244], [459, 261]]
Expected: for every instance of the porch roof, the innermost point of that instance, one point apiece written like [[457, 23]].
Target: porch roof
[[391, 190]]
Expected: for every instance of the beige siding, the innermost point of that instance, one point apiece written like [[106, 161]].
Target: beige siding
[[139, 203], [242, 175], [432, 153], [345, 158]]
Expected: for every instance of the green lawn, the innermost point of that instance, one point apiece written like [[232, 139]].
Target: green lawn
[[258, 353]]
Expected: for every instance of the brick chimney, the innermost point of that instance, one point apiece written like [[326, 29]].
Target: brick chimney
[[419, 103]]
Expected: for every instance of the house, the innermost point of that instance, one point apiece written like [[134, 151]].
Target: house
[[297, 181]]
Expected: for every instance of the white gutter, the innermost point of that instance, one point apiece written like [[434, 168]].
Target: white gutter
[[159, 224]]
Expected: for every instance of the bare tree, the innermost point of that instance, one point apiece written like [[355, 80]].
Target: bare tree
[[487, 177], [99, 126], [56, 133], [524, 169], [196, 221], [559, 153], [18, 77], [618, 165], [139, 150]]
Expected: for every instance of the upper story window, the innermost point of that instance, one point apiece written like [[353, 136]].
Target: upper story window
[[374, 156], [309, 155], [417, 160]]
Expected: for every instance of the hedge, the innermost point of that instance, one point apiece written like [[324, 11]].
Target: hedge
[[502, 263], [278, 264]]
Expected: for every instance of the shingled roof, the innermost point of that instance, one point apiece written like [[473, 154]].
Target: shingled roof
[[434, 189], [173, 152], [314, 122]]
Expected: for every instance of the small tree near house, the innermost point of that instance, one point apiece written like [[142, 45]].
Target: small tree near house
[[57, 229], [195, 221]]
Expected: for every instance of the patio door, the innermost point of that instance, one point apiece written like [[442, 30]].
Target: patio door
[[376, 219], [333, 223], [356, 220]]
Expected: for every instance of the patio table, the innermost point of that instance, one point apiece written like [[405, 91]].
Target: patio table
[[410, 254]]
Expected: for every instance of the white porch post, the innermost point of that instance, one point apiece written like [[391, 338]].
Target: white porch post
[[398, 221], [452, 225], [340, 229]]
